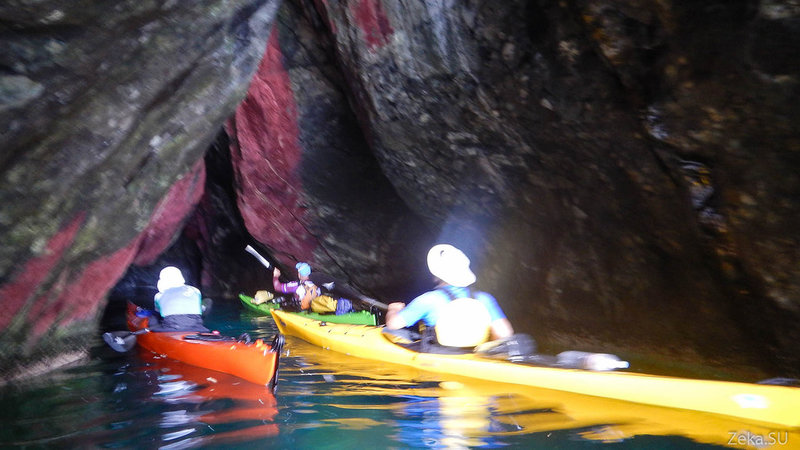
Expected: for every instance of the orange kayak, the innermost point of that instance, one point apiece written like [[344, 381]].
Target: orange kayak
[[256, 362]]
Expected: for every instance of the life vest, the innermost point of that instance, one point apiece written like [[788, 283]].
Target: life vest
[[306, 292], [179, 300], [462, 322]]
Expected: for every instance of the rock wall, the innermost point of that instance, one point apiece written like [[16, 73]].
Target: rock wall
[[307, 184], [622, 174], [106, 110]]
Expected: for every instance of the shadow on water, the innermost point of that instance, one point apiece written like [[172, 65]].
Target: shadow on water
[[323, 400]]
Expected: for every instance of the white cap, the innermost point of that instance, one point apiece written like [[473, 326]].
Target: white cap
[[170, 277], [450, 264]]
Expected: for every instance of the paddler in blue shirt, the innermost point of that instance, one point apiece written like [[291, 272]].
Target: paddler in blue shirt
[[459, 316]]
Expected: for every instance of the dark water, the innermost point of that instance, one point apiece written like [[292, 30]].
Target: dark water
[[324, 400]]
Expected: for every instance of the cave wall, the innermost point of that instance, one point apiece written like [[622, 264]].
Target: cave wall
[[307, 184], [622, 174], [610, 167], [106, 110]]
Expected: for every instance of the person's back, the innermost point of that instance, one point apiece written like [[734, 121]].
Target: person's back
[[466, 319], [461, 317], [179, 300], [180, 305]]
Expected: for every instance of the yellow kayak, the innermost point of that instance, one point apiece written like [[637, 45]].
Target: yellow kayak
[[763, 404], [475, 407]]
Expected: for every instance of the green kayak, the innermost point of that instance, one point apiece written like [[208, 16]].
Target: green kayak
[[354, 318]]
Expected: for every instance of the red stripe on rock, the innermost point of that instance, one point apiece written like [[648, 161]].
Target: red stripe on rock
[[373, 22], [170, 213], [266, 156], [15, 294], [79, 299]]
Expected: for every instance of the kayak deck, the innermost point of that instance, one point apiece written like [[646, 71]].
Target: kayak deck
[[766, 404], [256, 362], [357, 318]]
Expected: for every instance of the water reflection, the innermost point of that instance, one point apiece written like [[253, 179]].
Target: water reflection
[[415, 408], [329, 400], [455, 421], [450, 412], [204, 407]]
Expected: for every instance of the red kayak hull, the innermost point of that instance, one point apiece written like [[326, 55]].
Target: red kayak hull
[[256, 362]]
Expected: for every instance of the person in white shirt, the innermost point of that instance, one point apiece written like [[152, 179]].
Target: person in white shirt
[[180, 305]]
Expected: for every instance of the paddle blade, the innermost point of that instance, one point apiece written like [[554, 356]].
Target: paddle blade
[[258, 256], [120, 341], [516, 346]]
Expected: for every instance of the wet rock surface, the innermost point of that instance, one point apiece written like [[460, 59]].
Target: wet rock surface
[[106, 110], [622, 174]]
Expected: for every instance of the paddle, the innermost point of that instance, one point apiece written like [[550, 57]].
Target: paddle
[[329, 286], [372, 302], [519, 348], [258, 256], [122, 341], [513, 348]]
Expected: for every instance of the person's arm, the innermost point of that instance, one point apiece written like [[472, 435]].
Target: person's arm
[[399, 315], [393, 319], [276, 283], [501, 328], [284, 288]]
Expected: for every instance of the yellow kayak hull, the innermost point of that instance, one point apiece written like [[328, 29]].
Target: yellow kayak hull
[[763, 404]]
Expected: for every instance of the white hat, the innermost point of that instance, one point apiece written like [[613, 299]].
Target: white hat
[[170, 277], [451, 265]]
